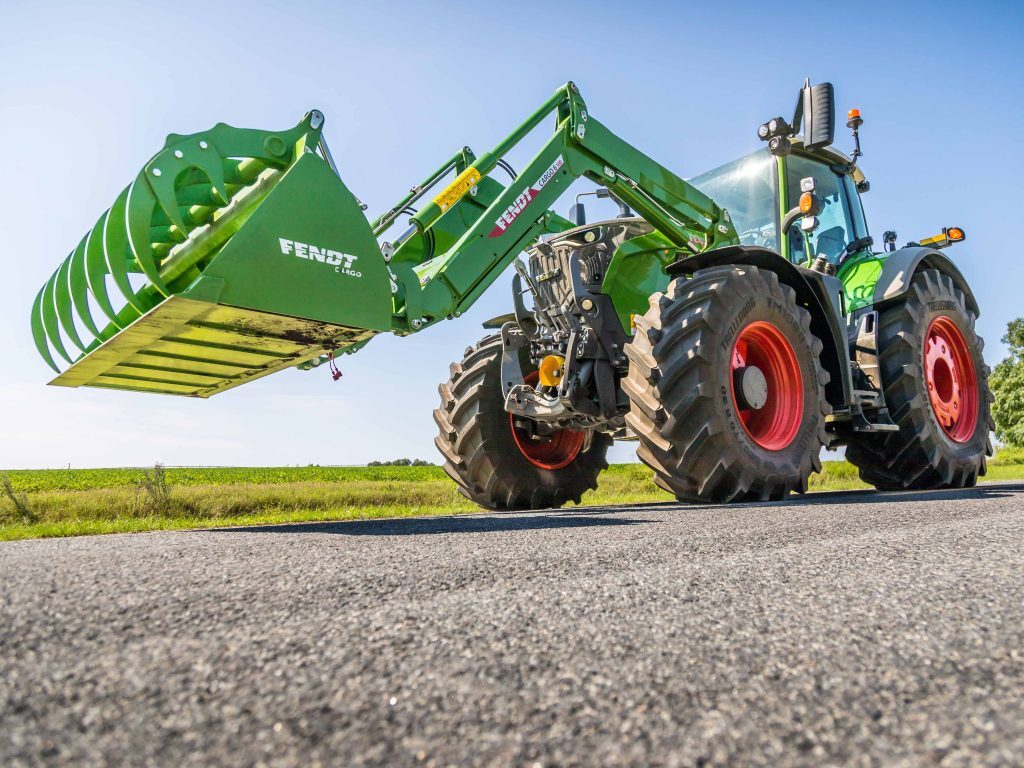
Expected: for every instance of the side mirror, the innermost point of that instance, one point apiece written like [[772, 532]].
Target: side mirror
[[578, 214], [816, 106]]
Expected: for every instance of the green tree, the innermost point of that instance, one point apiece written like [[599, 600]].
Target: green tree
[[400, 463], [1007, 383]]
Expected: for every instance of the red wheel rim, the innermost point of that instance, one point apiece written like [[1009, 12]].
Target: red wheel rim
[[776, 423], [952, 383], [554, 451]]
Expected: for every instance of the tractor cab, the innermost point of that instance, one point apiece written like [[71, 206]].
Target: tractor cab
[[749, 189], [800, 197]]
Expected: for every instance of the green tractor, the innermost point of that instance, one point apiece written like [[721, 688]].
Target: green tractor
[[733, 324]]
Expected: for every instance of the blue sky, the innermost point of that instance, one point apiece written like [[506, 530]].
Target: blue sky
[[88, 92]]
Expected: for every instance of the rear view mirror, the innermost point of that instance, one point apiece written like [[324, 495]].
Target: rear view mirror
[[816, 107]]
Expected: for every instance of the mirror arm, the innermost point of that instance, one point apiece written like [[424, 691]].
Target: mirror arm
[[788, 221], [790, 218]]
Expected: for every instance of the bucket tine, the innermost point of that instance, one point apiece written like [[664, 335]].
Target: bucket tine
[[171, 166], [50, 321], [116, 252], [96, 273], [154, 191], [79, 284], [62, 299], [39, 332], [141, 204]]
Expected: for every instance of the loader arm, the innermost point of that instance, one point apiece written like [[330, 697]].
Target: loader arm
[[449, 282]]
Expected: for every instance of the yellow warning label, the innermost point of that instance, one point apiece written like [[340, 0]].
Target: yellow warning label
[[464, 182]]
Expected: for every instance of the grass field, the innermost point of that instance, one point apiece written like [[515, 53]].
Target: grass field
[[83, 501]]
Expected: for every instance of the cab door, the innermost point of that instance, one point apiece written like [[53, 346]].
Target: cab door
[[842, 216]]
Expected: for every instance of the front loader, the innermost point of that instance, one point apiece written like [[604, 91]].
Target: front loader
[[733, 324]]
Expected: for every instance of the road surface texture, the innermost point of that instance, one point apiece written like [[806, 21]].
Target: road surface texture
[[838, 629]]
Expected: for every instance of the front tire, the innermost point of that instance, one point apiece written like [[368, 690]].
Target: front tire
[[497, 464], [936, 389], [711, 431]]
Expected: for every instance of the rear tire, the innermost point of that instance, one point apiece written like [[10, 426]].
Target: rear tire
[[686, 361], [929, 339], [496, 466]]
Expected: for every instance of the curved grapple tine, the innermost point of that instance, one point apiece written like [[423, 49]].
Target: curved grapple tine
[[79, 283], [62, 300], [50, 321], [141, 204], [116, 251], [96, 272], [39, 332]]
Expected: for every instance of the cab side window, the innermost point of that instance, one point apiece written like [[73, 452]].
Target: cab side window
[[835, 230]]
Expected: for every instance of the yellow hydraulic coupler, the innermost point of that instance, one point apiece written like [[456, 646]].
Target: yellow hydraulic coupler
[[550, 370]]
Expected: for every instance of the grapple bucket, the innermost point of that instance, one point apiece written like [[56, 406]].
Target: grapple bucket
[[233, 254]]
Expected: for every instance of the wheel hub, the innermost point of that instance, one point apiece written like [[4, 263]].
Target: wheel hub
[[767, 385], [751, 387], [950, 378]]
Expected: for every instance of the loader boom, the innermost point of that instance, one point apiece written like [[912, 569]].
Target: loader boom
[[254, 256], [580, 147]]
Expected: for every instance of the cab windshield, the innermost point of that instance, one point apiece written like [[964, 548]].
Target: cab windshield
[[746, 188]]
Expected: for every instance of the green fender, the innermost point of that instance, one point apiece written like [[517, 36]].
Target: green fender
[[899, 268]]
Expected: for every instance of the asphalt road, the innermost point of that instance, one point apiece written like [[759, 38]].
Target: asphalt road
[[857, 628]]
